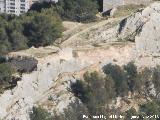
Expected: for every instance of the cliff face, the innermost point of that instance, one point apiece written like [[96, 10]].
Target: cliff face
[[143, 27]]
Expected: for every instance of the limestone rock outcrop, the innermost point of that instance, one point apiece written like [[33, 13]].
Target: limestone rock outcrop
[[143, 27], [52, 77]]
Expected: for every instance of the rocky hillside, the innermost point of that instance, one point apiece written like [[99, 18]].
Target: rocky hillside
[[143, 28], [83, 47]]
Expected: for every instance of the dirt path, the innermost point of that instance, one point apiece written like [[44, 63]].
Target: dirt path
[[73, 35]]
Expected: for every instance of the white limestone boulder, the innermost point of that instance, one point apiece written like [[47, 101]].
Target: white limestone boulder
[[143, 27]]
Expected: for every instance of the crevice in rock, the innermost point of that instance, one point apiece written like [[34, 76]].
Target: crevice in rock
[[122, 25]]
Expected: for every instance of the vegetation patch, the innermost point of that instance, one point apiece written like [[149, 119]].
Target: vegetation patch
[[96, 91], [39, 113], [5, 76], [31, 29], [73, 10]]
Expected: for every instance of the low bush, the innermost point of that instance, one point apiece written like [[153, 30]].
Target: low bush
[[130, 113], [120, 78], [31, 29], [150, 108], [77, 10], [94, 92], [39, 113], [43, 28], [5, 76]]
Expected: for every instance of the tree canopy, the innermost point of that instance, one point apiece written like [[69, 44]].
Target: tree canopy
[[5, 76], [31, 29], [77, 10], [43, 28]]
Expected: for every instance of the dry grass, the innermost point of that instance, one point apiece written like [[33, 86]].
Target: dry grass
[[126, 10]]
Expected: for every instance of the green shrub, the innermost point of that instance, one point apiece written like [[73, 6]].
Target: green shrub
[[31, 29], [4, 43], [135, 82], [131, 70], [129, 113], [119, 76], [74, 10], [94, 92], [74, 111], [43, 28], [2, 59], [150, 108], [77, 10], [40, 114], [11, 36], [80, 90], [156, 78], [5, 76], [126, 78], [110, 88], [19, 41], [39, 6]]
